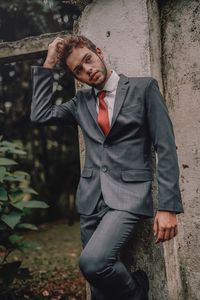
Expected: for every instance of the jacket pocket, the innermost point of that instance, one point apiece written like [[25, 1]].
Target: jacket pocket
[[87, 173], [134, 107], [136, 175]]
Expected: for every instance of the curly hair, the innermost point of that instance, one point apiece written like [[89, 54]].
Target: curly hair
[[75, 41]]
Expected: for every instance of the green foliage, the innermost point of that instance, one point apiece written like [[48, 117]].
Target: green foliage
[[15, 202]]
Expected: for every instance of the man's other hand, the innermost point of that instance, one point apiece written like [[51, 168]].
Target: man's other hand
[[55, 51], [165, 226]]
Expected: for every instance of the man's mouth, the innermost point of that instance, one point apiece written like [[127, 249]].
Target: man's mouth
[[93, 75]]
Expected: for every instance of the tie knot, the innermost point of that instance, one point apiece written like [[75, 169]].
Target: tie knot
[[101, 95]]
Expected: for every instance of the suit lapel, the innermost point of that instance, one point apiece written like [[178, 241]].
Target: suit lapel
[[121, 92]]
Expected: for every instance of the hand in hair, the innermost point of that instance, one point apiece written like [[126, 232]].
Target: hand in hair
[[54, 54]]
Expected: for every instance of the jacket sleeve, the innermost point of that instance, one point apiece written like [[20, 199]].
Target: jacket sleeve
[[42, 109], [162, 136]]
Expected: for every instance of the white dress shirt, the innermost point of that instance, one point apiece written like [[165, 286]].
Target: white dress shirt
[[110, 87]]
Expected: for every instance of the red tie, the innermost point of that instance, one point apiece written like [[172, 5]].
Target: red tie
[[103, 118]]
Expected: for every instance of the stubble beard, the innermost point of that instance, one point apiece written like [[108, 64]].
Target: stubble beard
[[104, 72]]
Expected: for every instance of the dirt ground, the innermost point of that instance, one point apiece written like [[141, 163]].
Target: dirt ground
[[53, 265]]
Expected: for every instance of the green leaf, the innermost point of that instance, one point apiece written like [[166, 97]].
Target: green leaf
[[15, 238], [11, 219], [19, 152], [27, 226], [28, 245], [21, 173], [16, 195], [7, 162], [2, 173], [31, 204], [3, 194], [13, 177], [11, 147], [16, 176], [12, 151], [15, 190], [36, 204], [17, 206], [8, 144], [29, 191]]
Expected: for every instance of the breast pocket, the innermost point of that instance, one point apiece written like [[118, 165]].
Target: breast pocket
[[132, 108], [132, 115]]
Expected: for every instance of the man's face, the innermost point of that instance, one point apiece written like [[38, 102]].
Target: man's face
[[87, 66]]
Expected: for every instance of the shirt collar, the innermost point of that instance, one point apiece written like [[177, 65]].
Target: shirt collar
[[111, 83]]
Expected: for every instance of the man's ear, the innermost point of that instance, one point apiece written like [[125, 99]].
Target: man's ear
[[99, 52]]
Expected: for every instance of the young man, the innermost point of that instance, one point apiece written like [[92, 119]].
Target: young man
[[120, 118]]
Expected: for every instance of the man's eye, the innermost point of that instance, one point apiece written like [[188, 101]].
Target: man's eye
[[88, 59]]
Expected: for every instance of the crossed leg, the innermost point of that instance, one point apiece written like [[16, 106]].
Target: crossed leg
[[103, 235]]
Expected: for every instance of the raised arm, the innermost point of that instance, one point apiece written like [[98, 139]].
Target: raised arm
[[42, 109]]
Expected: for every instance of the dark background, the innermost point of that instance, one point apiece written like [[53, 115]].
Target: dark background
[[52, 152]]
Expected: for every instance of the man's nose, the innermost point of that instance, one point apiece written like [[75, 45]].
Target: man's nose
[[88, 69]]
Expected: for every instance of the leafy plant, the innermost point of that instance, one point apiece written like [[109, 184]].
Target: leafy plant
[[15, 202]]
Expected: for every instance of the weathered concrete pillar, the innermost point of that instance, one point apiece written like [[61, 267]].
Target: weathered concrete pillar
[[128, 33], [181, 65]]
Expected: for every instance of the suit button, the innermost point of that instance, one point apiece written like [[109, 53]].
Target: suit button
[[104, 169]]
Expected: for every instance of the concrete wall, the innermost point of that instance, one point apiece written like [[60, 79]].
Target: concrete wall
[[122, 29], [129, 33], [181, 76]]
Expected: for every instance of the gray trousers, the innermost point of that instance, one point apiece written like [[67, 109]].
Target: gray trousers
[[103, 234]]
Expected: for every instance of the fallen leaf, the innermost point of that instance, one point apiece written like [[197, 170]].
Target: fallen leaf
[[45, 293]]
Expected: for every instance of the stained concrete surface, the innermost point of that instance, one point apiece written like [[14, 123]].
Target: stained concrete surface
[[138, 41], [122, 29], [181, 74]]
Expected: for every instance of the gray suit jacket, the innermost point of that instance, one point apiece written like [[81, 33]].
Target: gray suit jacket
[[118, 165]]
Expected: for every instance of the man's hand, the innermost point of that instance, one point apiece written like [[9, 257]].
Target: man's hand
[[55, 51], [165, 226]]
